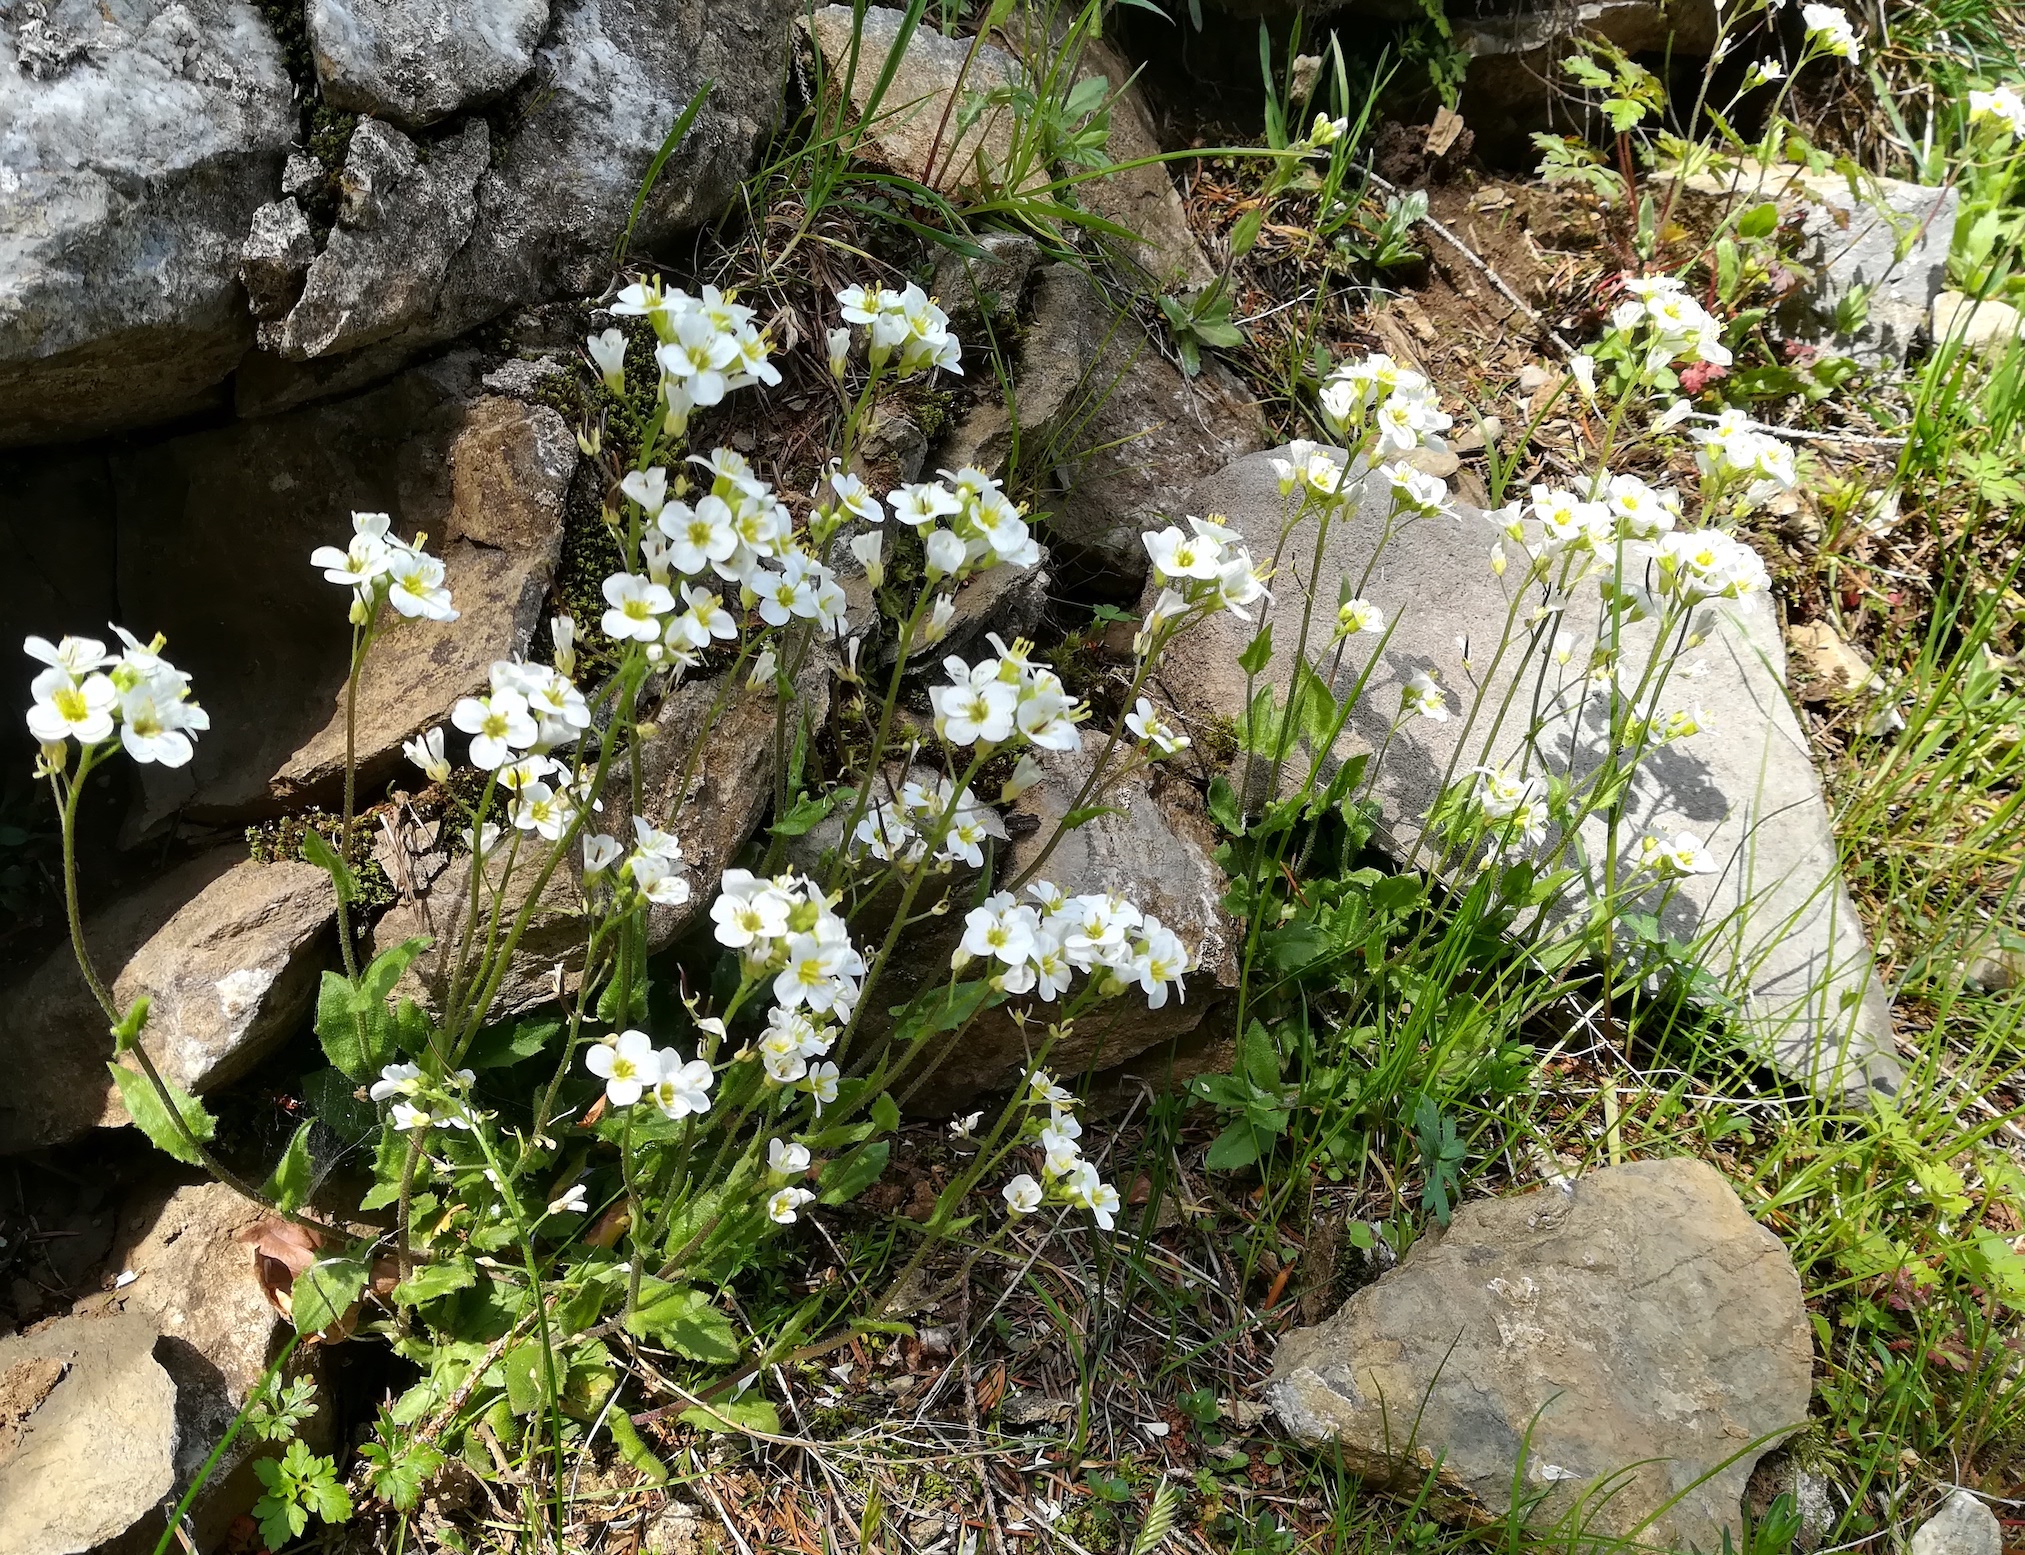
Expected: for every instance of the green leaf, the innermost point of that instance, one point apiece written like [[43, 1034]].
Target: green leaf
[[885, 1112], [144, 1104], [508, 1042], [939, 1009], [676, 134], [1760, 221], [320, 853], [435, 1279], [1262, 1058], [1246, 232], [741, 1415], [681, 1318], [1235, 1148], [808, 813], [844, 1180], [290, 1185], [388, 1164], [324, 1292], [339, 1026], [1258, 652], [378, 979], [1083, 815], [332, 1099], [1223, 806], [525, 1377]]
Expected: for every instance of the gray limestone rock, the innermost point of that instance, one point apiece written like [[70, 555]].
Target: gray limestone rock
[[131, 163], [1851, 232], [1964, 1525], [919, 118], [92, 1417], [1633, 1333], [418, 61], [1142, 200], [401, 219], [227, 951], [1774, 925], [987, 288], [609, 81], [275, 257]]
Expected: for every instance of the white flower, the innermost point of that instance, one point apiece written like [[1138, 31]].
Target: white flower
[[965, 1127], [635, 602], [1159, 961], [869, 548], [683, 1090], [1178, 555], [747, 909], [1584, 369], [821, 1083], [783, 1204], [1681, 854], [945, 552], [1145, 723], [396, 1080], [563, 632], [839, 342], [999, 929], [1026, 772], [499, 724], [976, 706], [1022, 1195], [407, 1117], [1424, 696], [608, 351], [1103, 1203], [154, 715], [1357, 615], [426, 752], [75, 656], [628, 1065], [2000, 106], [853, 498], [1672, 416], [936, 627], [1827, 25], [601, 852], [417, 586], [573, 1202], [1763, 73], [786, 1158], [921, 505], [1041, 1087], [649, 488], [362, 563], [65, 706]]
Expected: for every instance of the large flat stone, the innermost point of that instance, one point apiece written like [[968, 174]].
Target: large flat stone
[[1777, 928], [227, 950], [1632, 1334], [269, 656], [135, 146], [94, 1453]]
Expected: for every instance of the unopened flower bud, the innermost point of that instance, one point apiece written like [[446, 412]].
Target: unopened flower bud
[[840, 350]]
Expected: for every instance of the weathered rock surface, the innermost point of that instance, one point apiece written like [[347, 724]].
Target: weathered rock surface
[[1634, 1334], [987, 289], [609, 80], [418, 61], [227, 950], [1850, 240], [194, 1285], [400, 221], [1963, 1526], [1123, 432], [130, 167], [1142, 200], [92, 1420], [916, 128], [275, 258], [253, 499], [1990, 326], [1776, 926], [1155, 850]]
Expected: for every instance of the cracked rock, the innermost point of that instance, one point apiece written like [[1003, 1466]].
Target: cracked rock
[[1636, 1335], [419, 61], [275, 258], [401, 219]]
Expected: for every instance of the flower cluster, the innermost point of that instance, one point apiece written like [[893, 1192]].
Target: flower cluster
[[906, 321], [708, 346], [1670, 325], [786, 1160], [986, 526], [1040, 948], [1733, 451], [407, 1085], [378, 566], [1829, 29], [530, 708], [2000, 106], [1066, 1177], [1516, 807], [1011, 697], [1377, 399], [897, 828], [653, 868], [84, 693], [787, 929], [632, 1067], [1208, 567], [1699, 564]]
